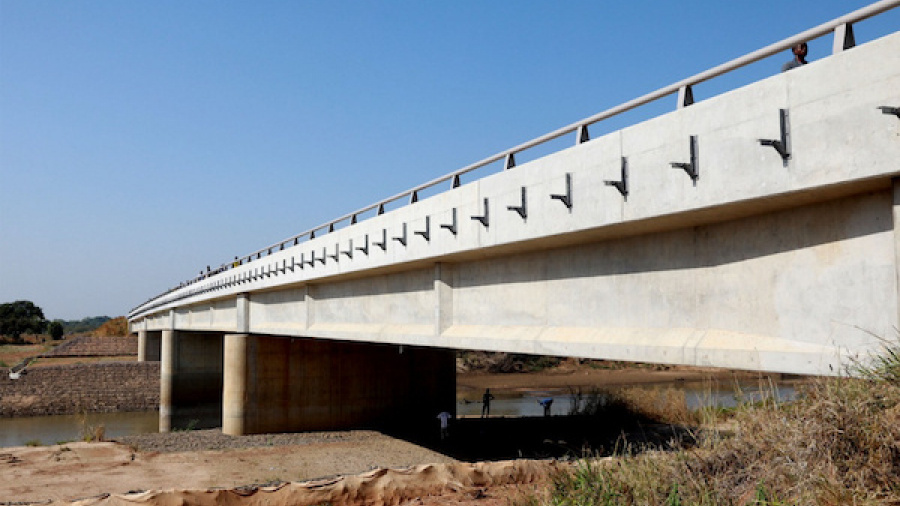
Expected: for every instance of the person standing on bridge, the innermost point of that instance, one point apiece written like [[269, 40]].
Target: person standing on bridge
[[800, 50], [486, 403]]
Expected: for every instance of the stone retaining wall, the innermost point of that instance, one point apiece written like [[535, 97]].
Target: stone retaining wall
[[77, 388], [96, 346]]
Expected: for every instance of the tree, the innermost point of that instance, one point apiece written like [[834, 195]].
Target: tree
[[19, 317], [56, 330]]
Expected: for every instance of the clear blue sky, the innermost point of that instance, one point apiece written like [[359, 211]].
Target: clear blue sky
[[142, 140]]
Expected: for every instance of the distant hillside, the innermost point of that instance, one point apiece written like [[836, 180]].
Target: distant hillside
[[84, 325]]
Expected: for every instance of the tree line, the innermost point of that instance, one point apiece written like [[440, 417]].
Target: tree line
[[25, 317]]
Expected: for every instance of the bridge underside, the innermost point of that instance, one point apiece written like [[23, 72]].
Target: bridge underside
[[249, 384]]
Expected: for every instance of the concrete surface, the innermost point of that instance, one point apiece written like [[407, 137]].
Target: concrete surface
[[756, 265], [276, 384]]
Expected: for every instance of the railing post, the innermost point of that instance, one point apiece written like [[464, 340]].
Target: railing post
[[582, 135], [510, 161], [685, 96], [843, 38]]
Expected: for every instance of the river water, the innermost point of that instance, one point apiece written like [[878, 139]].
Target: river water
[[47, 430], [696, 395]]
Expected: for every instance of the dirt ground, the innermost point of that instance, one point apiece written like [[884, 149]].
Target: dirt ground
[[79, 470], [82, 470]]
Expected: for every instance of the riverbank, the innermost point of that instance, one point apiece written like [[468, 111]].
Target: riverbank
[[73, 471], [585, 377], [207, 458]]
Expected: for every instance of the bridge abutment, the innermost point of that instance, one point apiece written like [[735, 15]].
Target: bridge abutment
[[190, 380], [277, 384]]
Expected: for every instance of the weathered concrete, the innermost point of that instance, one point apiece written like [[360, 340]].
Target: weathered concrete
[[190, 380], [276, 384]]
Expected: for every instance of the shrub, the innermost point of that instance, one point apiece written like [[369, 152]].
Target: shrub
[[839, 443]]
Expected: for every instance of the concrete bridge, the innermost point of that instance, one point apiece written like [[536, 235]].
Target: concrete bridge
[[757, 230]]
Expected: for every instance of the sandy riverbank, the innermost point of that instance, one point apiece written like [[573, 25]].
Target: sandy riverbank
[[79, 470], [204, 459]]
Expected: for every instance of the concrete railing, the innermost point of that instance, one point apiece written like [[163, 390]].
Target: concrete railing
[[841, 28]]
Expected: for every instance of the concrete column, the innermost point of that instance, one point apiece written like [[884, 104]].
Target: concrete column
[[190, 380], [142, 343], [166, 375], [234, 384], [148, 346], [276, 384]]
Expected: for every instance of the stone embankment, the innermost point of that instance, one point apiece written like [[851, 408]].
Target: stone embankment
[[96, 346], [79, 388]]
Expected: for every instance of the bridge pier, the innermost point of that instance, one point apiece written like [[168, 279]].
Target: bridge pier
[[277, 384], [190, 380], [149, 345]]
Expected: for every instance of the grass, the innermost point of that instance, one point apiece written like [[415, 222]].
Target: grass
[[34, 442], [838, 443], [92, 433]]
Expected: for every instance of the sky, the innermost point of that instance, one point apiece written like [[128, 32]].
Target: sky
[[141, 141]]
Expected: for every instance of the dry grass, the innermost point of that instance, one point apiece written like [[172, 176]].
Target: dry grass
[[839, 444], [92, 433], [113, 328]]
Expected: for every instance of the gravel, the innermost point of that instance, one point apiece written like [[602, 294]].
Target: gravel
[[214, 439]]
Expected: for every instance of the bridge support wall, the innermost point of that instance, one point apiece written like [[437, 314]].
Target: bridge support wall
[[276, 384], [190, 380]]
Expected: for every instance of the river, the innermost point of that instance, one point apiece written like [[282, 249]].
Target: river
[[45, 430]]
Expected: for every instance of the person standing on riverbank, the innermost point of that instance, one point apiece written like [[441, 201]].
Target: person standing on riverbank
[[445, 417], [546, 403], [486, 403]]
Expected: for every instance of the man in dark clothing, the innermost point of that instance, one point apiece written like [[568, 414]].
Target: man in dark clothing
[[486, 403], [799, 51]]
